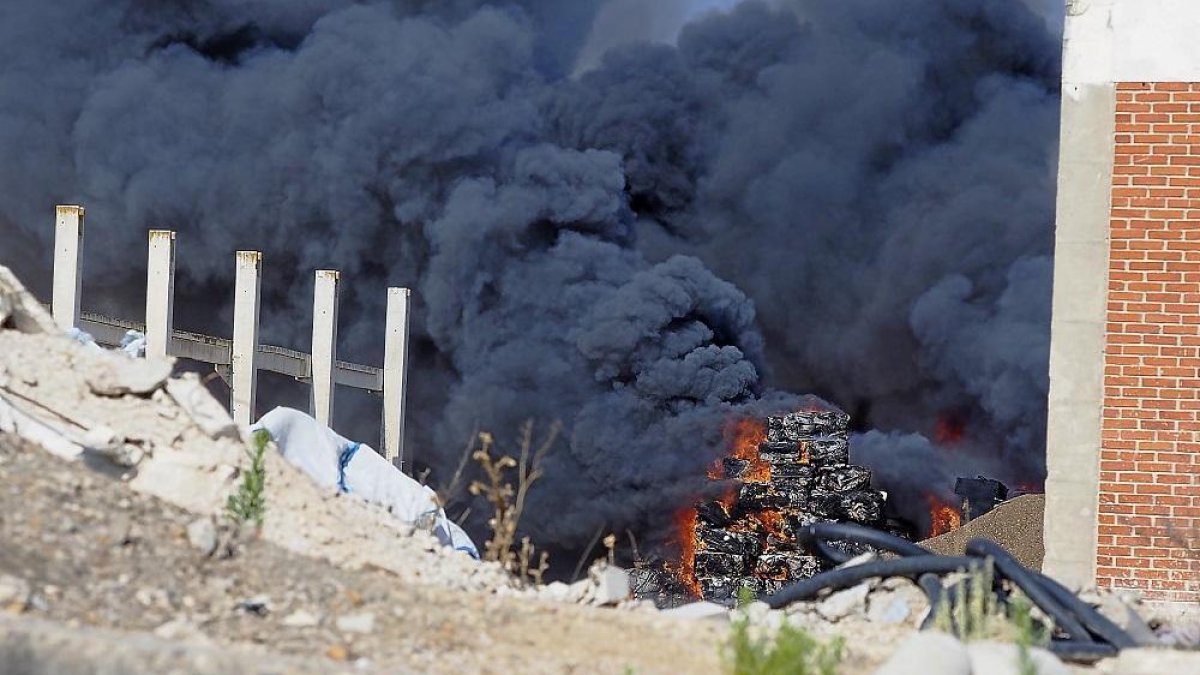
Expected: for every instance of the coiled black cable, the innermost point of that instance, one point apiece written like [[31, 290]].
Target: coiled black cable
[[1079, 623]]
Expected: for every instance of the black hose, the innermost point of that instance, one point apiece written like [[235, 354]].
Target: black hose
[[1008, 566], [1071, 615], [937, 594], [1095, 622], [818, 535], [845, 577], [1081, 652]]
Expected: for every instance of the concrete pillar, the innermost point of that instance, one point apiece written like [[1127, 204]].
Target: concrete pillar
[[395, 375], [68, 262], [160, 293], [324, 344], [247, 292]]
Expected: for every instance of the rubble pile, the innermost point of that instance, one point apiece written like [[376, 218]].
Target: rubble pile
[[167, 437], [783, 473]]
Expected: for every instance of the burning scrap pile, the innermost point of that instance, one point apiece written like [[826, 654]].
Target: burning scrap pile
[[791, 471]]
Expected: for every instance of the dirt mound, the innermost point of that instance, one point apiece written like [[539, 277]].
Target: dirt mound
[[1016, 525]]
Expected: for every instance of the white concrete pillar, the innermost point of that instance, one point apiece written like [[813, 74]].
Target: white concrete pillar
[[244, 359], [160, 293], [395, 375], [324, 344], [68, 261]]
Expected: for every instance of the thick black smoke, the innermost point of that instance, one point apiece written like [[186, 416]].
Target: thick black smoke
[[875, 177]]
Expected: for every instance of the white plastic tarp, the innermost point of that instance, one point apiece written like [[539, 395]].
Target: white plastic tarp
[[338, 463]]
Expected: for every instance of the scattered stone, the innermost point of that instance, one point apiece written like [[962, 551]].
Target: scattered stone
[[888, 608], [843, 603], [611, 584], [301, 619], [202, 535], [201, 407], [698, 610], [338, 653], [1000, 658], [258, 606], [356, 623], [556, 590], [860, 559], [152, 597], [928, 653]]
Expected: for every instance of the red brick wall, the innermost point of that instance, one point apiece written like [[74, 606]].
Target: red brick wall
[[1149, 512]]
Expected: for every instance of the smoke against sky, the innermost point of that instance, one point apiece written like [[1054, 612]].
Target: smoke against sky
[[851, 199]]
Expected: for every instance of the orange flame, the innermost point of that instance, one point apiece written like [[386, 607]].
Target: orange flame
[[685, 530], [943, 516], [950, 429], [743, 437], [771, 521]]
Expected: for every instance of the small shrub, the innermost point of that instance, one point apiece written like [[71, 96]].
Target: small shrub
[[792, 651], [249, 503]]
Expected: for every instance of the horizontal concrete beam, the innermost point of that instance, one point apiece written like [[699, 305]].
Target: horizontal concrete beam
[[108, 332]]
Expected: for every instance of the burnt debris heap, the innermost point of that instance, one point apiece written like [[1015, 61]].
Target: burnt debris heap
[[788, 472]]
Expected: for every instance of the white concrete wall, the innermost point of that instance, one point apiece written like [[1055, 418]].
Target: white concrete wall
[[1132, 41]]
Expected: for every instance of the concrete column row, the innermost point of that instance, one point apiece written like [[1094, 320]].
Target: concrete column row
[[160, 296]]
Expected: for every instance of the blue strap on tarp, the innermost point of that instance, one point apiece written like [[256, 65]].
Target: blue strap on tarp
[[343, 462]]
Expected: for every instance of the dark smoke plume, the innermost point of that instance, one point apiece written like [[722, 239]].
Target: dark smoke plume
[[847, 198]]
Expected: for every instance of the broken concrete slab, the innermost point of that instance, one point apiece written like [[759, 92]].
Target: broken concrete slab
[[19, 309], [112, 375], [201, 407]]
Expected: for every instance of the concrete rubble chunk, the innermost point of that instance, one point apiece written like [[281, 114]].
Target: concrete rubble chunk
[[611, 584], [113, 375], [888, 609], [928, 653], [356, 623], [107, 443], [1000, 658], [841, 604], [301, 619], [19, 309], [698, 610], [201, 407], [556, 590], [202, 535]]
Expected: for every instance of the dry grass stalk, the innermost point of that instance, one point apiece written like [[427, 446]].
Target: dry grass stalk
[[508, 502]]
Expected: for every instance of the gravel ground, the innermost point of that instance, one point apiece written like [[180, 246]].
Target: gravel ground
[[97, 554]]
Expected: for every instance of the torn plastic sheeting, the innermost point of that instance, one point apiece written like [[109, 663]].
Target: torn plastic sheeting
[[318, 451]]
